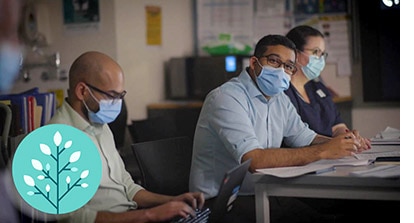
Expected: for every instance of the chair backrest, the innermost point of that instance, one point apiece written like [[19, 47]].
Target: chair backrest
[[119, 126], [151, 129], [165, 164]]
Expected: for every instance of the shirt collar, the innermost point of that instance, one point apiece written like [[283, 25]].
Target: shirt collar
[[251, 86], [79, 122]]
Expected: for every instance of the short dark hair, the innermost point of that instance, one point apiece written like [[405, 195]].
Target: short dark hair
[[299, 35], [272, 40]]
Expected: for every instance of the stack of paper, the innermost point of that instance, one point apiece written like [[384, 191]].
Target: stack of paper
[[379, 171], [390, 136], [321, 166], [379, 151]]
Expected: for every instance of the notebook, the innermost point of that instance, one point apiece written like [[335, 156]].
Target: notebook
[[229, 189]]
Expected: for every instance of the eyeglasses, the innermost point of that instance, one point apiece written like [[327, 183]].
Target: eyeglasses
[[108, 95], [275, 61], [318, 52]]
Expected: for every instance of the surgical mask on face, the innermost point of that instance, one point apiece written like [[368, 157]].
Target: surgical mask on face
[[314, 67], [10, 60], [108, 110], [272, 81]]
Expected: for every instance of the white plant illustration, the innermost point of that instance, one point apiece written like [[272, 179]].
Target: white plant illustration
[[54, 178]]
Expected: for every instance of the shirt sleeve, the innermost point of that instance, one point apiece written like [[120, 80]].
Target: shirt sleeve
[[230, 119], [131, 187]]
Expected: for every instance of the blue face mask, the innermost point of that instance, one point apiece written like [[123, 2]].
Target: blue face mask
[[108, 110], [10, 60], [272, 81], [314, 68]]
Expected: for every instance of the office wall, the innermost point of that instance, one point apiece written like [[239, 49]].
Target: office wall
[[122, 35], [70, 45], [142, 63]]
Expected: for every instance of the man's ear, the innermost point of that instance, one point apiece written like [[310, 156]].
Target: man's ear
[[252, 61], [80, 91]]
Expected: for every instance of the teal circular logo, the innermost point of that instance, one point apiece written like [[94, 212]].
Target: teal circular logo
[[57, 169]]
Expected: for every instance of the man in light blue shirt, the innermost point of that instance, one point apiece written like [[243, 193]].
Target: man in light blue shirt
[[249, 117]]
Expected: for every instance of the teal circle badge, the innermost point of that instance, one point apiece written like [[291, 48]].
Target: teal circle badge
[[57, 169]]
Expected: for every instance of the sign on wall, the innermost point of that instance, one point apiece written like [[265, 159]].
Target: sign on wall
[[81, 16]]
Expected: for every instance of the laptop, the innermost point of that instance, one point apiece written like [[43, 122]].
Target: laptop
[[229, 189]]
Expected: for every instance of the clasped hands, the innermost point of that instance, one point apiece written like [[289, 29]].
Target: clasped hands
[[360, 143]]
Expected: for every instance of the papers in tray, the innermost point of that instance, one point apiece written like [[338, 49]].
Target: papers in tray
[[387, 137], [321, 166]]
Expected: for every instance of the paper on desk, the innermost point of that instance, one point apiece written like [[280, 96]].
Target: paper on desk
[[347, 161], [373, 156], [382, 149], [379, 171], [388, 136], [295, 170], [379, 151], [320, 165]]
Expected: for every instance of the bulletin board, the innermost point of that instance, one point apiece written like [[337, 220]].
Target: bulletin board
[[234, 26]]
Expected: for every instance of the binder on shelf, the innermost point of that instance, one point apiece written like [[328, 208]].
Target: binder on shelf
[[15, 126], [20, 103], [30, 110]]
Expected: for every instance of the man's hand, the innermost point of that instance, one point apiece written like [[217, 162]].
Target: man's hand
[[194, 199]]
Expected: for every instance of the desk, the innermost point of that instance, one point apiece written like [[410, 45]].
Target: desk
[[337, 184]]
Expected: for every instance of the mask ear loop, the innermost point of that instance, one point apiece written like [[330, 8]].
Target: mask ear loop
[[94, 98], [297, 59], [260, 65]]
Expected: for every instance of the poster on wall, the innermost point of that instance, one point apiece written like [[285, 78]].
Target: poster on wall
[[80, 16], [335, 29], [153, 15], [272, 17], [224, 27]]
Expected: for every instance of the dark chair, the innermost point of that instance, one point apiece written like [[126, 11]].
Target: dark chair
[[165, 164], [5, 122], [119, 126], [154, 128]]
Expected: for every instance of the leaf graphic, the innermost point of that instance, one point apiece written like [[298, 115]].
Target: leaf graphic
[[84, 185], [45, 149], [47, 187], [57, 138], [30, 193], [29, 180], [74, 169], [74, 157], [84, 174], [68, 144], [67, 179], [37, 164], [47, 166], [41, 177]]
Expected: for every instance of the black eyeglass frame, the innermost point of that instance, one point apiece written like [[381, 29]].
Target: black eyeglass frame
[[119, 95], [278, 63]]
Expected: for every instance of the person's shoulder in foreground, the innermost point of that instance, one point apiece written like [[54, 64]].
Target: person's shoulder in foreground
[[96, 90], [311, 60], [10, 59]]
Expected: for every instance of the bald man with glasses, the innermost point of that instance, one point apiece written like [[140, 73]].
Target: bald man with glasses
[[96, 90]]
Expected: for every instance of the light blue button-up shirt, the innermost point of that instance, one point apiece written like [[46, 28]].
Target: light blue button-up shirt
[[235, 119]]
